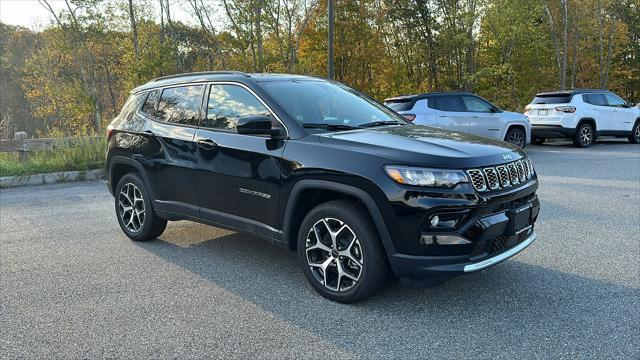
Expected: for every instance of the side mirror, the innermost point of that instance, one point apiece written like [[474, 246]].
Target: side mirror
[[495, 109], [256, 125], [629, 104]]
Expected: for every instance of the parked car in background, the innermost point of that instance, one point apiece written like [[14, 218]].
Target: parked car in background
[[314, 166], [582, 115], [465, 113]]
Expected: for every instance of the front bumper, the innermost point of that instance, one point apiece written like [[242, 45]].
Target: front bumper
[[490, 234], [552, 131]]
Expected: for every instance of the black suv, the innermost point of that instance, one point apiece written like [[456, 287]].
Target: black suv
[[314, 166]]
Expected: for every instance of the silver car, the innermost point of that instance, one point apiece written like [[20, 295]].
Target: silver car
[[463, 112]]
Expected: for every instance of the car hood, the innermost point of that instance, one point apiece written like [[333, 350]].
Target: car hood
[[425, 146]]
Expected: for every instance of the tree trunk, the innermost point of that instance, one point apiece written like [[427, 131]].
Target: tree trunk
[[257, 8], [565, 30], [134, 32]]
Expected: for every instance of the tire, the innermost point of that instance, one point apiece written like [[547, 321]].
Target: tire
[[516, 136], [538, 140], [132, 202], [634, 138], [584, 136], [361, 255]]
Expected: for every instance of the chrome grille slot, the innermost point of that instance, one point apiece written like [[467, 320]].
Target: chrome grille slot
[[503, 174], [520, 169], [477, 179], [513, 174], [492, 178]]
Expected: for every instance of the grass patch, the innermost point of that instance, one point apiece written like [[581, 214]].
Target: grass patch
[[81, 155]]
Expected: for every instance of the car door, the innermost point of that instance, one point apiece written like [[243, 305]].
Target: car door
[[450, 113], [597, 105], [622, 116], [483, 119], [169, 159], [238, 177]]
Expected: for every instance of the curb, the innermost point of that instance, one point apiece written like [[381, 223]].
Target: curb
[[51, 178]]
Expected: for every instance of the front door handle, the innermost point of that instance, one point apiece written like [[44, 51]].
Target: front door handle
[[148, 133], [442, 115], [475, 116], [207, 144]]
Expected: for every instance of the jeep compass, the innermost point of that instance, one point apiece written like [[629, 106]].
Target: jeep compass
[[314, 166]]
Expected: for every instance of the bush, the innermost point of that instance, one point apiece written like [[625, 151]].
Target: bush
[[85, 154]]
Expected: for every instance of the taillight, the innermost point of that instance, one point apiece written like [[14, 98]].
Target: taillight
[[409, 117], [527, 108], [566, 109], [109, 130]]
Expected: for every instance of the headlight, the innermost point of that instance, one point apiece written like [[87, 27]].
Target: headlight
[[437, 178]]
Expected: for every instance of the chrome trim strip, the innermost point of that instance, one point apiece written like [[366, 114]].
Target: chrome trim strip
[[503, 256]]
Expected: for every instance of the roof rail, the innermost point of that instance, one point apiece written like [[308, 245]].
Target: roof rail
[[226, 72]]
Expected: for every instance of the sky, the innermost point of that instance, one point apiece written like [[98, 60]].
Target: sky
[[32, 15]]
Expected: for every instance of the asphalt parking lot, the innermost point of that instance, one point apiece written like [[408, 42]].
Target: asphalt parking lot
[[73, 286]]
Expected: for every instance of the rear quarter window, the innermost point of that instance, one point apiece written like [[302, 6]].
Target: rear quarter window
[[552, 99], [400, 105]]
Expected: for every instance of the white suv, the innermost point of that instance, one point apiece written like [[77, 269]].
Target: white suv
[[582, 115], [465, 113]]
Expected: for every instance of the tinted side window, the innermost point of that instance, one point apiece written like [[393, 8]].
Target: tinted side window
[[228, 103], [180, 105], [614, 100], [448, 103], [594, 99], [149, 106], [475, 104]]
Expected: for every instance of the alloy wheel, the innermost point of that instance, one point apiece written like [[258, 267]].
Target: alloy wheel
[[516, 138], [586, 134], [131, 206], [334, 254]]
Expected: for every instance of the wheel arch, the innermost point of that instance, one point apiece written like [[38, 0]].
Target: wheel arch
[[591, 121], [120, 166], [299, 204], [515, 125]]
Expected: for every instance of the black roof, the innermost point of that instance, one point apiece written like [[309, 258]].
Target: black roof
[[571, 92], [426, 95], [218, 75]]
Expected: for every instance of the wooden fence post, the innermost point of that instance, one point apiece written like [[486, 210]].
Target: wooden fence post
[[21, 155]]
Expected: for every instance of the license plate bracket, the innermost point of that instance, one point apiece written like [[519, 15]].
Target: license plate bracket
[[543, 112], [520, 219]]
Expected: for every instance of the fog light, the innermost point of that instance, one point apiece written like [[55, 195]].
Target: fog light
[[435, 221], [429, 239]]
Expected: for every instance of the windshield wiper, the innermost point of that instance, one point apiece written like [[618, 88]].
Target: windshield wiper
[[329, 126], [380, 123]]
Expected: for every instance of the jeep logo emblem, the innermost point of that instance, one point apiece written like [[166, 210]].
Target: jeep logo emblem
[[507, 157]]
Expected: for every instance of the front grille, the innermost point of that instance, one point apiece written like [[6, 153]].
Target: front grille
[[513, 174], [502, 176], [477, 179], [520, 169], [492, 178], [505, 181]]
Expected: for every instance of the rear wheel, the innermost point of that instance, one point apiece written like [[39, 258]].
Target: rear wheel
[[538, 140], [584, 136], [634, 138], [134, 210], [517, 137], [340, 252]]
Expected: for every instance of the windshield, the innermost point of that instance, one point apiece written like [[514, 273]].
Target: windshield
[[313, 102]]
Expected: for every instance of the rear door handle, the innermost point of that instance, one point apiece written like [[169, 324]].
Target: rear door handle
[[148, 133], [207, 144], [475, 116], [442, 115]]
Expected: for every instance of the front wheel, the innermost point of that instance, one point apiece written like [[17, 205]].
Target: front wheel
[[585, 135], [340, 252], [516, 137], [634, 138], [134, 210]]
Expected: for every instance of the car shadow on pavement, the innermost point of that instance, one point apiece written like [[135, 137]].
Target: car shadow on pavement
[[522, 309]]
